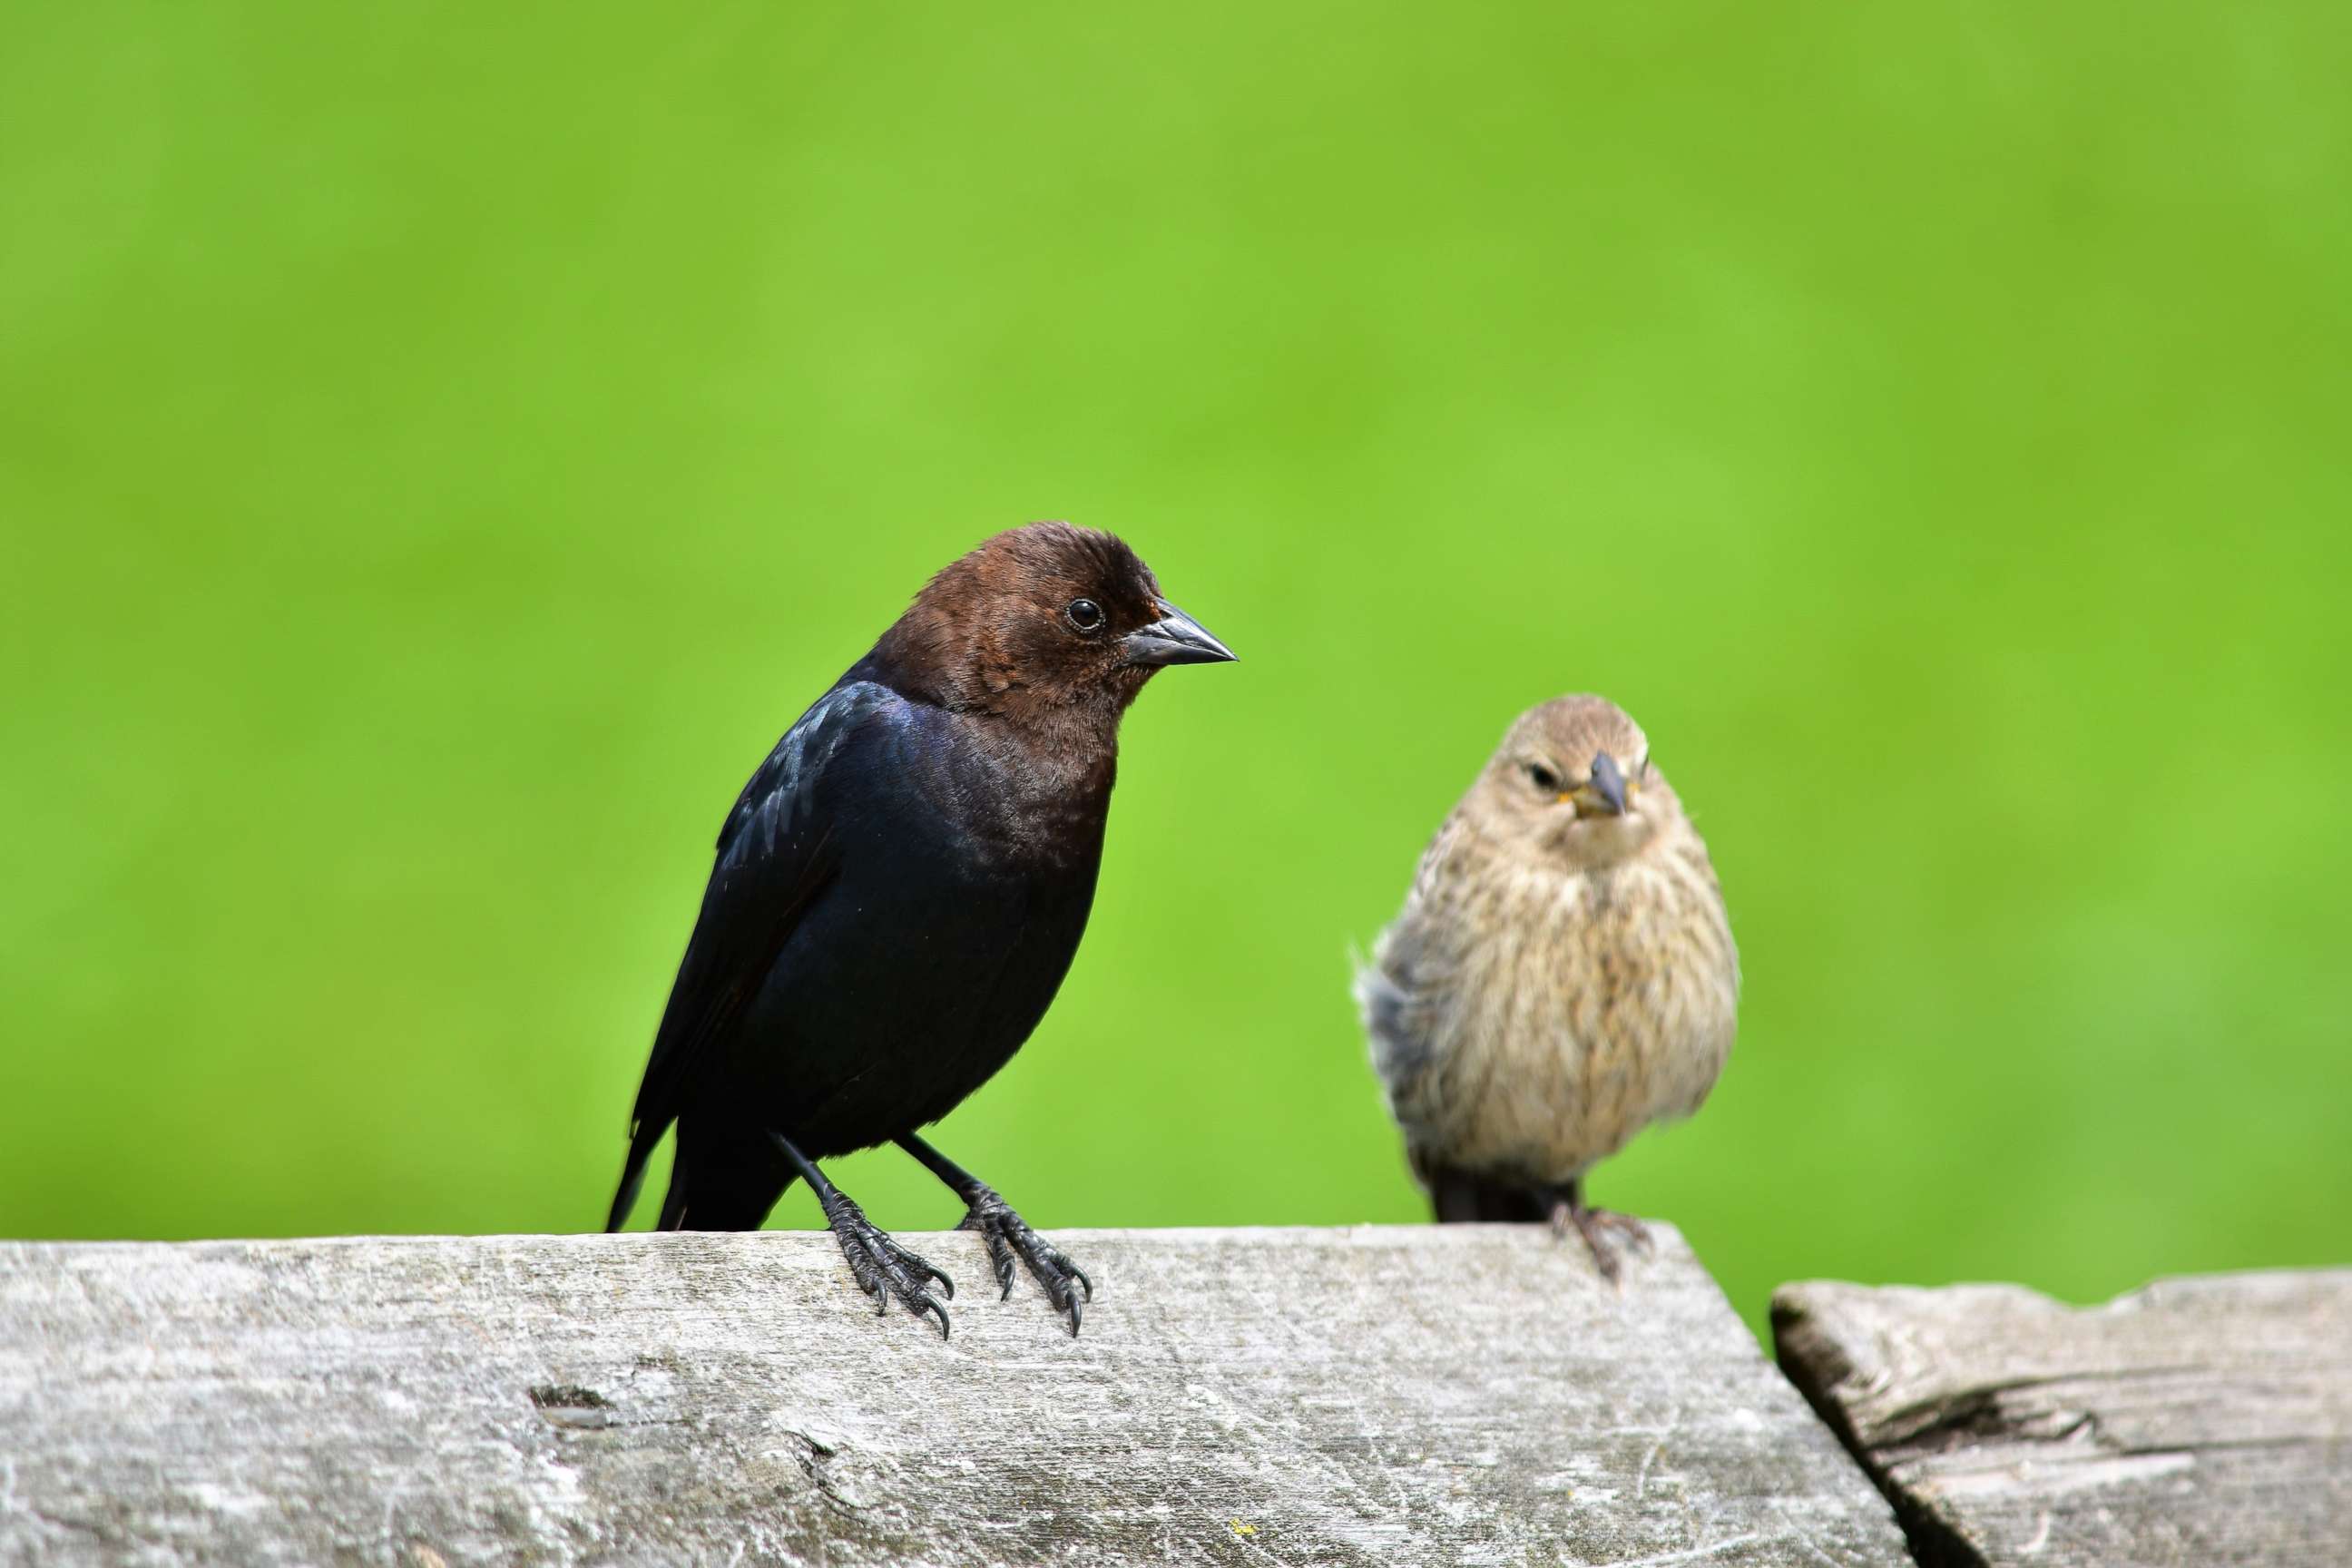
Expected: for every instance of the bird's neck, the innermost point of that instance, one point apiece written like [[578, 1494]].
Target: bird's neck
[[1067, 753], [1030, 800], [1063, 737]]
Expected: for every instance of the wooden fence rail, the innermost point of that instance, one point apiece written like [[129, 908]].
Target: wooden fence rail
[[1416, 1395]]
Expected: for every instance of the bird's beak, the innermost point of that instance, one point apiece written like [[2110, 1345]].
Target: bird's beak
[[1604, 792], [1174, 638]]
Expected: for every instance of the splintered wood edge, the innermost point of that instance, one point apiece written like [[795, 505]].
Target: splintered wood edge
[[1935, 1392]]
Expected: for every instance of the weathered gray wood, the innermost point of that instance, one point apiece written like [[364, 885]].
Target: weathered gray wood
[[1408, 1395], [2203, 1421]]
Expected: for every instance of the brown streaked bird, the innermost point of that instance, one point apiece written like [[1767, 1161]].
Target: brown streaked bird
[[1561, 976]]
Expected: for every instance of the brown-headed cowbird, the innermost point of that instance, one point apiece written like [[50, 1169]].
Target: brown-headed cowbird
[[898, 892], [1561, 976]]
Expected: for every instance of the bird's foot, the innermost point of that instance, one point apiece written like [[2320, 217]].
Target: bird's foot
[[882, 1269], [1007, 1234], [1595, 1225]]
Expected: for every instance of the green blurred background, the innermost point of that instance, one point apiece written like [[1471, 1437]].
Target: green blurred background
[[441, 447]]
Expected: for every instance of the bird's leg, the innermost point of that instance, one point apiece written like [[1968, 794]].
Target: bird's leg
[[1008, 1235], [882, 1269], [1569, 1210]]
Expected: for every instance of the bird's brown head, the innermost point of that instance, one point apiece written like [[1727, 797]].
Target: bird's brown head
[[1573, 780], [1047, 622]]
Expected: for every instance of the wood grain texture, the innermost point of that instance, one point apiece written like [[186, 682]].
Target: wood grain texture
[[1470, 1395], [2204, 1421]]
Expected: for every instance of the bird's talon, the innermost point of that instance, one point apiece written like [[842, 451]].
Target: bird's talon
[[884, 1269], [1008, 1236], [1595, 1225]]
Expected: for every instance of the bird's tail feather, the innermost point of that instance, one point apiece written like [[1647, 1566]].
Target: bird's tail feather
[[704, 1195], [673, 1210], [1459, 1196], [716, 1207], [641, 1139]]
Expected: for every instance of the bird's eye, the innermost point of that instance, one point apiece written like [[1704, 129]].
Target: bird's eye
[[1543, 778], [1085, 614]]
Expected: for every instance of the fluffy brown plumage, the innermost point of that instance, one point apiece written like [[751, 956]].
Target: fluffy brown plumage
[[1562, 975]]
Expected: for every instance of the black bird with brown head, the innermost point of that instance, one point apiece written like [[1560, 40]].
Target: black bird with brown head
[[898, 892]]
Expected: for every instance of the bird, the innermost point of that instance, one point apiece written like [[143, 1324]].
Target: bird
[[1562, 975], [896, 895]]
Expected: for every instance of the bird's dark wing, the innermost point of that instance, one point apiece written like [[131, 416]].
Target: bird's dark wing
[[777, 853]]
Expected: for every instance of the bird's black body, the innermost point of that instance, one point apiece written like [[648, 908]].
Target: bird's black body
[[898, 893], [879, 936]]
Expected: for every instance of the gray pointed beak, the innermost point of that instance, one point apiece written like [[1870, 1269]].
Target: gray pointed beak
[[1174, 638], [1604, 792]]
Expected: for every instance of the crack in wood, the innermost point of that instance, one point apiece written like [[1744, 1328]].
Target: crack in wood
[[2203, 1422]]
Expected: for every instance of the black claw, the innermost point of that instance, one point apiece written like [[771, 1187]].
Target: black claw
[[1008, 1236], [883, 1269]]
